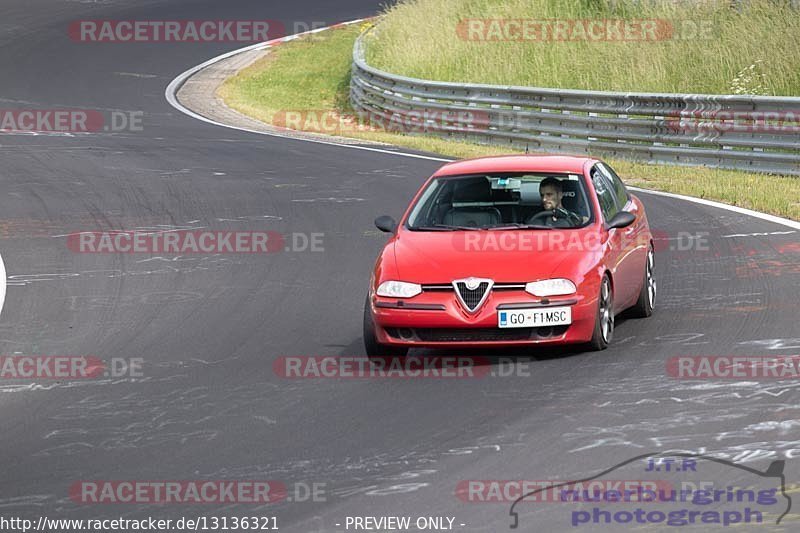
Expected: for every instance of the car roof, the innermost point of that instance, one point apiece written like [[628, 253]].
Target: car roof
[[516, 163]]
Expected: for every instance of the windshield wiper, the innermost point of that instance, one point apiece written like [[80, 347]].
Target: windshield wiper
[[517, 225], [446, 227]]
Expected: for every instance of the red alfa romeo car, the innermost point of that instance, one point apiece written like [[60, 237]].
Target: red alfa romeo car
[[511, 251]]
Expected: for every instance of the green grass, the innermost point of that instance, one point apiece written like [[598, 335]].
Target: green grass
[[314, 74], [420, 38]]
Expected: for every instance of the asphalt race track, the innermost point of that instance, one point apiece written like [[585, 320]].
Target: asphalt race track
[[208, 328]]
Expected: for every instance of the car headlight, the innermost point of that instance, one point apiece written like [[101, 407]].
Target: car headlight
[[550, 287], [399, 289]]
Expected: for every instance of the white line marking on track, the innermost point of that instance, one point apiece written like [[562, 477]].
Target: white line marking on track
[[175, 85], [740, 210], [761, 234]]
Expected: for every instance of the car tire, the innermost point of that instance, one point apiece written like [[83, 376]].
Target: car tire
[[371, 344], [647, 296], [604, 320]]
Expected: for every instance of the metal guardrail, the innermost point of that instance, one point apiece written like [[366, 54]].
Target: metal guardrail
[[756, 133]]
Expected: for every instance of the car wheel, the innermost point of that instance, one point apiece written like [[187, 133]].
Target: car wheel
[[604, 321], [371, 344], [647, 296]]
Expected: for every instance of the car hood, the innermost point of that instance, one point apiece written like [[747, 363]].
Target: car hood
[[504, 256]]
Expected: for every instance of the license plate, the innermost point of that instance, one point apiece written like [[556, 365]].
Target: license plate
[[534, 318]]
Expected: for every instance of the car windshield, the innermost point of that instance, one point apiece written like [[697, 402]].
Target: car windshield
[[502, 202]]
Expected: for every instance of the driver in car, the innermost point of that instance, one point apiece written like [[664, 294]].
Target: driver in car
[[552, 192]]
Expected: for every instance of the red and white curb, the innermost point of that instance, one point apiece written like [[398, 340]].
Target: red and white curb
[[175, 85]]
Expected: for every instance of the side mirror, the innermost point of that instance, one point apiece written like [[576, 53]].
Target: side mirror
[[386, 224], [623, 219]]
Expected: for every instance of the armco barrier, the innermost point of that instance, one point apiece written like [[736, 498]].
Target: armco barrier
[[756, 133]]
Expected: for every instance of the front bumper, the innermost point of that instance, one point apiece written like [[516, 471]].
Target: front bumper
[[436, 319]]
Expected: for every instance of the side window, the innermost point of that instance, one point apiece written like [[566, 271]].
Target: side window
[[620, 191], [605, 194]]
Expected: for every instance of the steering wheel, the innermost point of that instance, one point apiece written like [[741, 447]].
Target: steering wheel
[[539, 218]]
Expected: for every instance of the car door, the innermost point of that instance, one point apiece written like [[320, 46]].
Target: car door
[[630, 268], [615, 245]]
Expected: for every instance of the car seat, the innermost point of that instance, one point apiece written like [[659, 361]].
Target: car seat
[[474, 191]]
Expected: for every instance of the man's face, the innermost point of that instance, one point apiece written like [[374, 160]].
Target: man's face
[[551, 197]]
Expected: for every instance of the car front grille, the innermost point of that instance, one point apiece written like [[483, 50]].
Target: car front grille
[[472, 298], [473, 334]]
